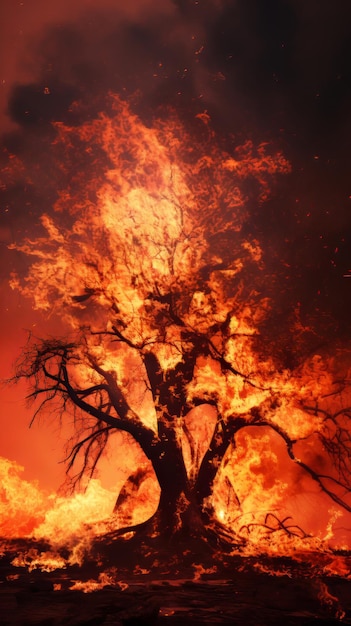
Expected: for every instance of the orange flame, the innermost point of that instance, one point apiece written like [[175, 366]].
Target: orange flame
[[137, 232]]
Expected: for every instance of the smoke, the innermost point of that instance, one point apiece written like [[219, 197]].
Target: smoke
[[27, 27]]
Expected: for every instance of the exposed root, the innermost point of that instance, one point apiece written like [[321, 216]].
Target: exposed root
[[273, 524]]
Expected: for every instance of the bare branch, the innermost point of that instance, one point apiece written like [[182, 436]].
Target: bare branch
[[272, 524], [98, 438], [318, 478]]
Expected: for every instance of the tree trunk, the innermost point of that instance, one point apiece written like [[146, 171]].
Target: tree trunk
[[169, 467], [184, 508], [222, 437], [178, 512]]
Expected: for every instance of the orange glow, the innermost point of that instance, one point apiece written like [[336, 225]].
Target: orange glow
[[63, 521], [126, 265], [22, 504]]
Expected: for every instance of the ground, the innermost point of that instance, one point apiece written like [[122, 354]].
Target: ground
[[255, 591]]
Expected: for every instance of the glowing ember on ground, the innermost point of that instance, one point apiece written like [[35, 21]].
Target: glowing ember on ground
[[88, 586]]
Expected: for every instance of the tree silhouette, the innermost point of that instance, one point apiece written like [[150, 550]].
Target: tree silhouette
[[147, 262]]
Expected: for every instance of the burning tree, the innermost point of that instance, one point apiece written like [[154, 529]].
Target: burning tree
[[147, 261]]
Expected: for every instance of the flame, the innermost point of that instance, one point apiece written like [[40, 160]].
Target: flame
[[200, 571], [122, 242], [26, 511], [67, 519], [329, 600], [46, 561], [22, 504], [73, 522], [150, 200], [105, 579]]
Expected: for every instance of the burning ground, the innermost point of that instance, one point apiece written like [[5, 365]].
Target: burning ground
[[81, 575]]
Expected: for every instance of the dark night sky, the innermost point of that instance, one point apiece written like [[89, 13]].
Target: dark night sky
[[276, 71]]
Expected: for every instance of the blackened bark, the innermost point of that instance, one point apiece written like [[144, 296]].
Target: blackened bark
[[168, 464], [222, 437]]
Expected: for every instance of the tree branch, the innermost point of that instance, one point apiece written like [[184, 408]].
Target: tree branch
[[314, 475]]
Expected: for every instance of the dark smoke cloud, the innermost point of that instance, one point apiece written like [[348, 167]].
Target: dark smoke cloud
[[24, 23], [276, 71], [289, 64]]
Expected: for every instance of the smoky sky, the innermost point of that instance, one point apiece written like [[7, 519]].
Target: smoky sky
[[276, 71]]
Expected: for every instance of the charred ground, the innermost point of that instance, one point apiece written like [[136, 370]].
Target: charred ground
[[195, 589]]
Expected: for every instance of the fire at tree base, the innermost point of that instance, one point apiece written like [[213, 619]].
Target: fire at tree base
[[124, 581], [135, 578], [203, 573]]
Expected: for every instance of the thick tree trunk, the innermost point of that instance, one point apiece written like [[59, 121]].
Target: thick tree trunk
[[211, 463], [169, 467], [222, 437], [182, 525], [184, 508], [178, 511]]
